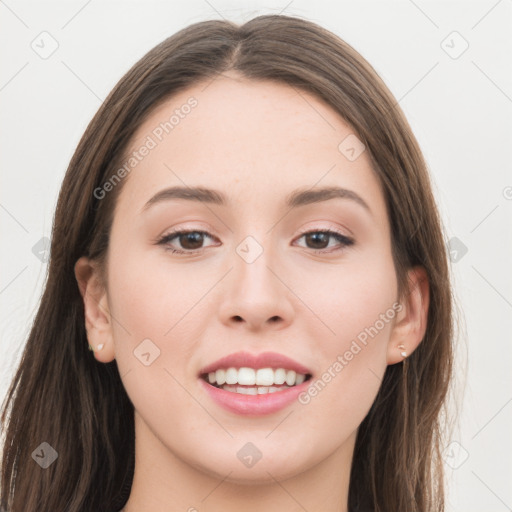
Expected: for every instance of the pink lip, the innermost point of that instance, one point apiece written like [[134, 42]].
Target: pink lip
[[254, 405], [263, 360]]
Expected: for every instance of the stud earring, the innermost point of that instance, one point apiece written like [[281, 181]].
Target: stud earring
[[98, 348], [403, 353]]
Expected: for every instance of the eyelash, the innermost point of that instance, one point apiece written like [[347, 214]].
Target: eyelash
[[344, 240]]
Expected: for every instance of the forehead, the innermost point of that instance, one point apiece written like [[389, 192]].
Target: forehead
[[248, 138]]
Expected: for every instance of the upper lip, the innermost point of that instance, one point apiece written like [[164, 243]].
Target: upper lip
[[263, 360]]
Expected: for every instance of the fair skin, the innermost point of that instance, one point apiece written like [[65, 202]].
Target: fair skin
[[256, 142]]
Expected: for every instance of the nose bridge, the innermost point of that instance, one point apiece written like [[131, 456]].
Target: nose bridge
[[254, 259]]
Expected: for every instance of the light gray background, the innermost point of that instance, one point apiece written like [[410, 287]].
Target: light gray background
[[460, 109]]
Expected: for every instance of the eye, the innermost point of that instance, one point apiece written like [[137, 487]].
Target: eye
[[190, 240], [321, 238]]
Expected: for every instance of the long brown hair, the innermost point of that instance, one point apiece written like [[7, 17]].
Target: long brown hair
[[62, 396]]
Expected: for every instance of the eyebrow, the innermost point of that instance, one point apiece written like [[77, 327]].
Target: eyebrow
[[299, 197]]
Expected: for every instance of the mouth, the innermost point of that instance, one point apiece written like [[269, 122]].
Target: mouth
[[254, 381]]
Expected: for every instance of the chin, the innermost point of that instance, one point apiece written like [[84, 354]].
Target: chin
[[261, 473]]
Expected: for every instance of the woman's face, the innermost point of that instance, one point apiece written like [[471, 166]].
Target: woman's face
[[249, 279]]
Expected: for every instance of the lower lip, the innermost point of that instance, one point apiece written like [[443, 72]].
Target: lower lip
[[254, 405]]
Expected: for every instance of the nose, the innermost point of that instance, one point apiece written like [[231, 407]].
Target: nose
[[255, 297]]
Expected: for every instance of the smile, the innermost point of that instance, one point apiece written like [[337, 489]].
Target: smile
[[251, 381]]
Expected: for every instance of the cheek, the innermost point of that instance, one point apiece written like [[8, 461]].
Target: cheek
[[360, 307], [358, 304], [152, 313], [154, 336], [148, 295], [344, 300]]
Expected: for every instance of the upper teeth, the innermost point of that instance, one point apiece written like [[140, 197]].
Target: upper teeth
[[251, 377]]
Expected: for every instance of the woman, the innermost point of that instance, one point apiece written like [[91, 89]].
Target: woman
[[247, 240]]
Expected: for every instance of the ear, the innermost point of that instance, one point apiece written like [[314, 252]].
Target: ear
[[411, 322], [98, 323]]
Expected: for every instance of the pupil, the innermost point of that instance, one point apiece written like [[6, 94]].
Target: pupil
[[191, 237], [314, 236]]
